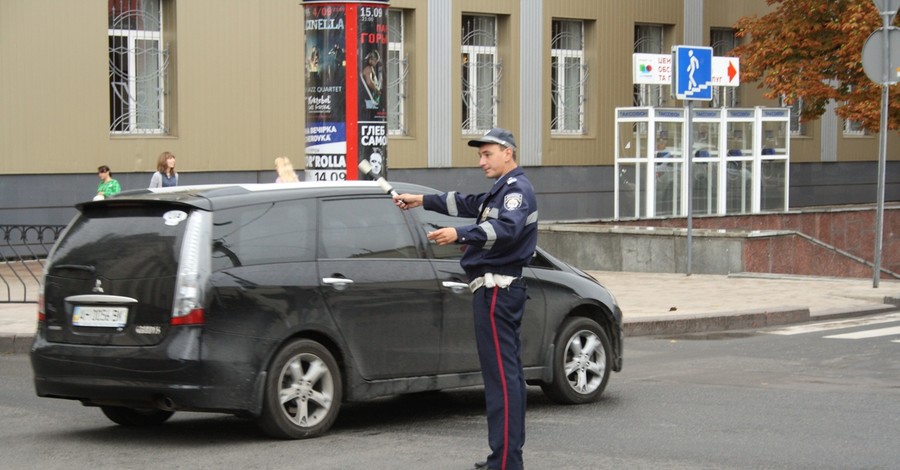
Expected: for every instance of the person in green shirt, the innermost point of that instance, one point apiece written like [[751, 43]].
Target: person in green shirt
[[108, 186]]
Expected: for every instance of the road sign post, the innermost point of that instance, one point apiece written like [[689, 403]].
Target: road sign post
[[692, 69], [881, 62]]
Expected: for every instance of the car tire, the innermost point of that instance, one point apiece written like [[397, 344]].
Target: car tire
[[303, 392], [136, 416], [579, 375]]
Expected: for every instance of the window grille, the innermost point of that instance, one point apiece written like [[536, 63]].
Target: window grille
[[723, 41], [398, 68], [481, 73], [138, 63], [568, 76], [648, 39]]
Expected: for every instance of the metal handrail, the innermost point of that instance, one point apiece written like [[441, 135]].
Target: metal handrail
[[24, 249]]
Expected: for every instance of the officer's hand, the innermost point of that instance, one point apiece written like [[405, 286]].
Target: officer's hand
[[408, 201], [443, 236]]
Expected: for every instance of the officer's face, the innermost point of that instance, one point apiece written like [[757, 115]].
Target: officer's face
[[495, 160]]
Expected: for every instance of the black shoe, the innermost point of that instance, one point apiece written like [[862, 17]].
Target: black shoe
[[482, 466]]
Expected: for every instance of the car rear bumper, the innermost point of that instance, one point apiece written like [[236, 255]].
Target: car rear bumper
[[173, 376]]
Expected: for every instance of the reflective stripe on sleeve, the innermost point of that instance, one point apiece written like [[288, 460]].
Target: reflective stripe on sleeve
[[451, 204], [532, 218], [490, 233]]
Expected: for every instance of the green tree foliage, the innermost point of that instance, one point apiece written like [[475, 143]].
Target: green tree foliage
[[812, 49]]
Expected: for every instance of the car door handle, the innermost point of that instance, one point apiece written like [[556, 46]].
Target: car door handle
[[338, 283], [456, 287]]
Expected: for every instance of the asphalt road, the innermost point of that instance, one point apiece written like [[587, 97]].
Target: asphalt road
[[732, 400]]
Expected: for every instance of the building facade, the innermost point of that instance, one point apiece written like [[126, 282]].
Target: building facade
[[220, 84]]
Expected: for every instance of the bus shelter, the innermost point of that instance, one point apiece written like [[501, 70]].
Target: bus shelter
[[738, 163]]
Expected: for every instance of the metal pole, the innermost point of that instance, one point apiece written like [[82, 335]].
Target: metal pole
[[689, 186], [882, 149], [879, 210]]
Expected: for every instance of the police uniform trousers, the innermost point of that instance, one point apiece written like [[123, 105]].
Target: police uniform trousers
[[498, 316]]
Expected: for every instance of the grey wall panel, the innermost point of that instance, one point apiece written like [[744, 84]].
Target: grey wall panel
[[564, 193], [818, 184], [50, 199]]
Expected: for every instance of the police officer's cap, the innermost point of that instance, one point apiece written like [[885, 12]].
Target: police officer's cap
[[495, 136]]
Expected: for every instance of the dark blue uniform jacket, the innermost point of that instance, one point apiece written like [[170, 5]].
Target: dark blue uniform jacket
[[503, 238]]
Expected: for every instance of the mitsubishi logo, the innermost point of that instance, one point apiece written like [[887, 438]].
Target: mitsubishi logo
[[98, 287]]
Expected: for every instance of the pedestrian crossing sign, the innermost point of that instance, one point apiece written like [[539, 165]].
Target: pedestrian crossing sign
[[692, 72]]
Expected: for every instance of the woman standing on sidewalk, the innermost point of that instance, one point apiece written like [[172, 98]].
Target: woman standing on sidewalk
[[165, 174], [108, 186]]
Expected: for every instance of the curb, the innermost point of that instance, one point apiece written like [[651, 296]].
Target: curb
[[742, 320], [720, 321], [15, 344]]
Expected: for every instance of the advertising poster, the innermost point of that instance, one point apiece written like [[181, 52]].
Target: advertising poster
[[326, 93], [371, 99], [346, 117]]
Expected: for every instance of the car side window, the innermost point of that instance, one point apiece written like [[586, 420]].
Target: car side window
[[364, 228], [431, 221], [264, 233]]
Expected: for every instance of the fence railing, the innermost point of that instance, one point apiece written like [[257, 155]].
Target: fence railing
[[22, 253]]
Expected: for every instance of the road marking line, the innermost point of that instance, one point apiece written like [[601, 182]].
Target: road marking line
[[869, 333], [834, 325]]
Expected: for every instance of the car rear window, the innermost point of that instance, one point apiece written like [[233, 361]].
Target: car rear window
[[124, 242]]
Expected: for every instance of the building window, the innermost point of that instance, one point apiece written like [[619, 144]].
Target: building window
[[480, 73], [722, 42], [138, 63], [567, 77], [648, 39], [853, 128], [797, 127], [397, 69]]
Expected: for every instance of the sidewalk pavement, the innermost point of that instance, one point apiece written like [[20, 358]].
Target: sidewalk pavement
[[662, 303]]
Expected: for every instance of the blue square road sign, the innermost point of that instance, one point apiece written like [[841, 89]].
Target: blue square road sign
[[692, 72]]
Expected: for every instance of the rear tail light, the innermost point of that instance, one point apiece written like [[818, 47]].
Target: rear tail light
[[193, 271], [42, 317], [196, 316], [41, 310]]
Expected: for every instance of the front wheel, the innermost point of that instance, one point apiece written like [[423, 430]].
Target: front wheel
[[303, 392], [136, 416], [581, 362]]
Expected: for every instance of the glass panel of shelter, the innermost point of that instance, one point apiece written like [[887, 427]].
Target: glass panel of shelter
[[740, 161]]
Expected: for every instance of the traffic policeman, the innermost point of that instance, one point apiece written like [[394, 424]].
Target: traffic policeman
[[498, 245]]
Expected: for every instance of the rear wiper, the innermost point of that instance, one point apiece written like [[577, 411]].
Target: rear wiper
[[77, 267]]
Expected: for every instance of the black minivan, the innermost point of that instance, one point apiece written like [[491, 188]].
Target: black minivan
[[279, 302]]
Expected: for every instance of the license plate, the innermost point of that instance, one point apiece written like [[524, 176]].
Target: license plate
[[102, 317]]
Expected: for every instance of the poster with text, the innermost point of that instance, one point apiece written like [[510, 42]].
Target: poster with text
[[326, 91], [371, 99]]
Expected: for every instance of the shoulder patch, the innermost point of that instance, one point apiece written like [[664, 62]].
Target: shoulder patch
[[511, 180], [512, 201]]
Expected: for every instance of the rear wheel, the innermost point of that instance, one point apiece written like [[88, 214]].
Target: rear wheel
[[581, 362], [303, 392], [136, 416]]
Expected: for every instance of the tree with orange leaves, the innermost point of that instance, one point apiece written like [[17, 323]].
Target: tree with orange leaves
[[812, 50]]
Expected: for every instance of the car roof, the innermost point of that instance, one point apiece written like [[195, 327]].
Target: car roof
[[221, 196]]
